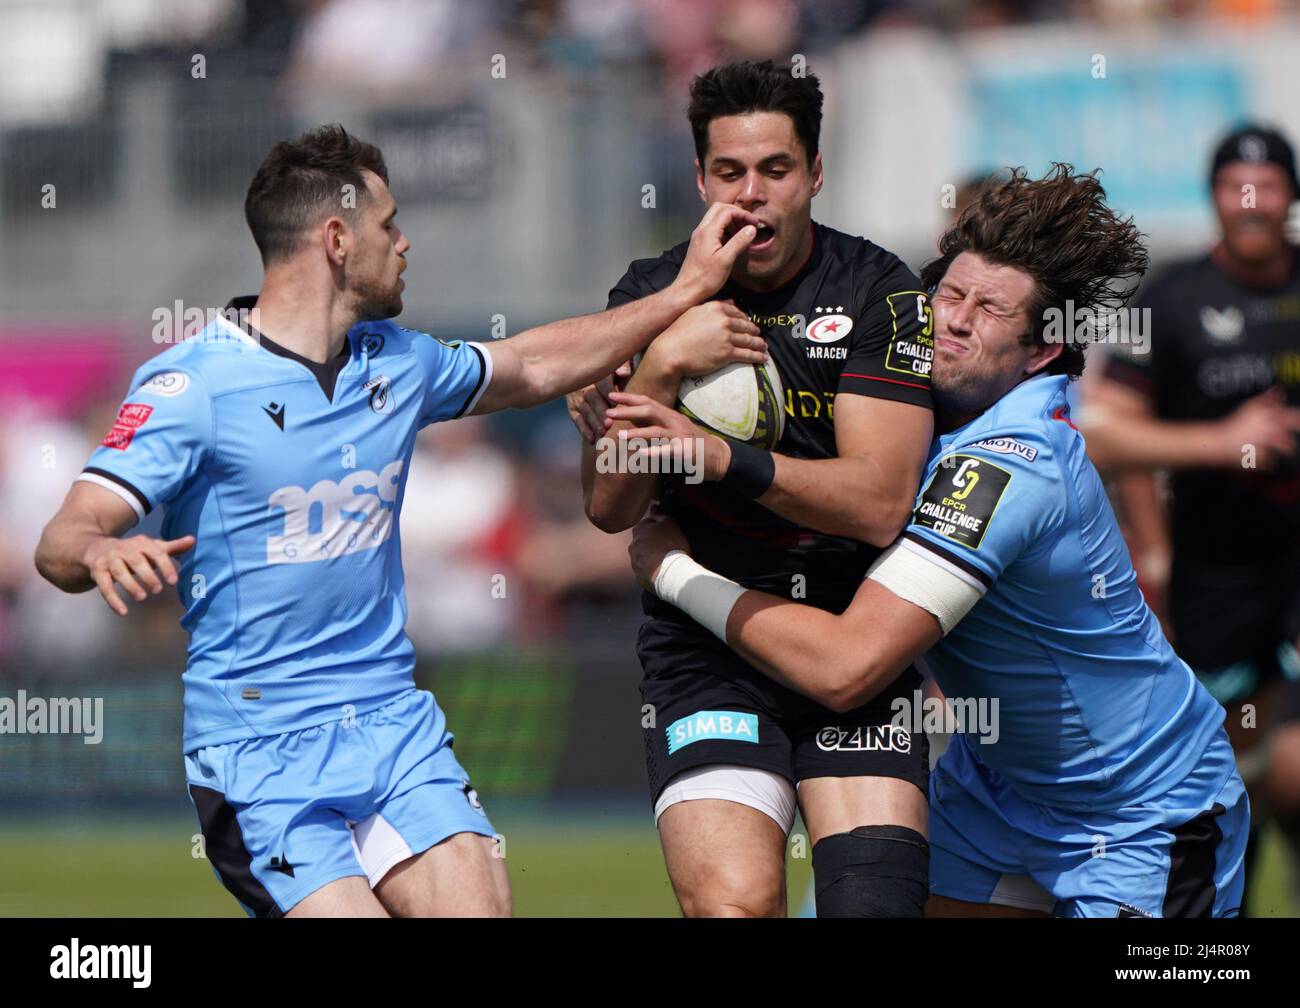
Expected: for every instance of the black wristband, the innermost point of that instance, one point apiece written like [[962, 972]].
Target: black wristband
[[751, 470]]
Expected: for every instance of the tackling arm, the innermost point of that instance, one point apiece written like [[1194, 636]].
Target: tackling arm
[[542, 363]]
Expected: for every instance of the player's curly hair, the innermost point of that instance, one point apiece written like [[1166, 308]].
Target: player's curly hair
[[301, 181], [746, 86], [1058, 230]]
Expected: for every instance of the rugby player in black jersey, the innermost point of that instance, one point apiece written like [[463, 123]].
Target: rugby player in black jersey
[[1216, 400], [729, 752]]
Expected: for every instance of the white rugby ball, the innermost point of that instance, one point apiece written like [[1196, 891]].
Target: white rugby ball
[[744, 402]]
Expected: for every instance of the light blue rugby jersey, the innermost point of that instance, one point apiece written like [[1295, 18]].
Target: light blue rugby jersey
[[1095, 708], [293, 594]]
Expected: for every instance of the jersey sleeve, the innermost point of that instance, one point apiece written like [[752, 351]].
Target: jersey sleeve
[[159, 439], [984, 506], [456, 375], [892, 342]]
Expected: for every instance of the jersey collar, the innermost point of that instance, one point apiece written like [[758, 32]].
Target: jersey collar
[[326, 374]]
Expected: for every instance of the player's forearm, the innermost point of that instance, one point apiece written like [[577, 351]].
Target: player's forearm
[[562, 356], [808, 650], [616, 499], [1128, 442], [613, 501], [849, 497], [60, 553]]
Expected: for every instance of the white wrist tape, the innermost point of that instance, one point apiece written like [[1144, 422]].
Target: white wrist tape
[[916, 577], [705, 597]]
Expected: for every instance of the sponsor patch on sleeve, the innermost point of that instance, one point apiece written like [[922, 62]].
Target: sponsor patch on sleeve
[[130, 418], [168, 383], [910, 352], [961, 499], [1008, 446]]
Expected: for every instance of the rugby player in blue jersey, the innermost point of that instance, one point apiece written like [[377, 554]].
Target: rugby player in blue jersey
[[1106, 786], [324, 782]]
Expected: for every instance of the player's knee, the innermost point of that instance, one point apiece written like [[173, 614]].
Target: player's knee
[[872, 871], [726, 904], [722, 892]]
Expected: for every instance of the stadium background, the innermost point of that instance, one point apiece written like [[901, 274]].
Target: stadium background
[[534, 149]]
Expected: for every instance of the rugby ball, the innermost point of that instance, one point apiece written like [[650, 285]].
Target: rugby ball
[[744, 402]]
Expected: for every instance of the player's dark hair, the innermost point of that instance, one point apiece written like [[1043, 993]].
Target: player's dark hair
[[1058, 230], [301, 181], [746, 86]]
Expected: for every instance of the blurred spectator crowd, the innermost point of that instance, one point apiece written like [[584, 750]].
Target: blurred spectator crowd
[[55, 51]]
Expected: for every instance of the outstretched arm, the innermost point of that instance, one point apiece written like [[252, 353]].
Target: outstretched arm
[[540, 364], [80, 549]]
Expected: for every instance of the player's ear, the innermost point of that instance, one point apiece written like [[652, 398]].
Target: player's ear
[[1043, 354], [817, 174], [334, 232], [699, 182]]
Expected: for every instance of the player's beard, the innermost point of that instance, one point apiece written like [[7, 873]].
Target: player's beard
[[959, 392], [375, 301]]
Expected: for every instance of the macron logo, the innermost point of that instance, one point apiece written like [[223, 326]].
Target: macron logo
[[102, 962]]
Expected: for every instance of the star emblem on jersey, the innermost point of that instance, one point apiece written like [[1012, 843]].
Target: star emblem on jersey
[[829, 328], [381, 394], [276, 412]]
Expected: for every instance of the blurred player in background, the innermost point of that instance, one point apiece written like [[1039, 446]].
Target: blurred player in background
[[1103, 784], [728, 752], [280, 448], [1217, 401]]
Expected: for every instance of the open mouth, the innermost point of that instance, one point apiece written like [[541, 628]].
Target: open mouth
[[763, 240]]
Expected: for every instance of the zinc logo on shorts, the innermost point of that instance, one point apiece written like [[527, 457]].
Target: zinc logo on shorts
[[731, 726]]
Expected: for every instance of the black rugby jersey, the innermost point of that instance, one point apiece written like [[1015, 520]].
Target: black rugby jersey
[[1214, 343], [853, 320]]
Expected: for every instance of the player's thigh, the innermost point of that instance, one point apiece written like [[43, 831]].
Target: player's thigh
[[462, 876], [426, 843], [979, 834], [345, 897], [724, 859], [271, 831], [857, 768], [833, 805], [719, 767]]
